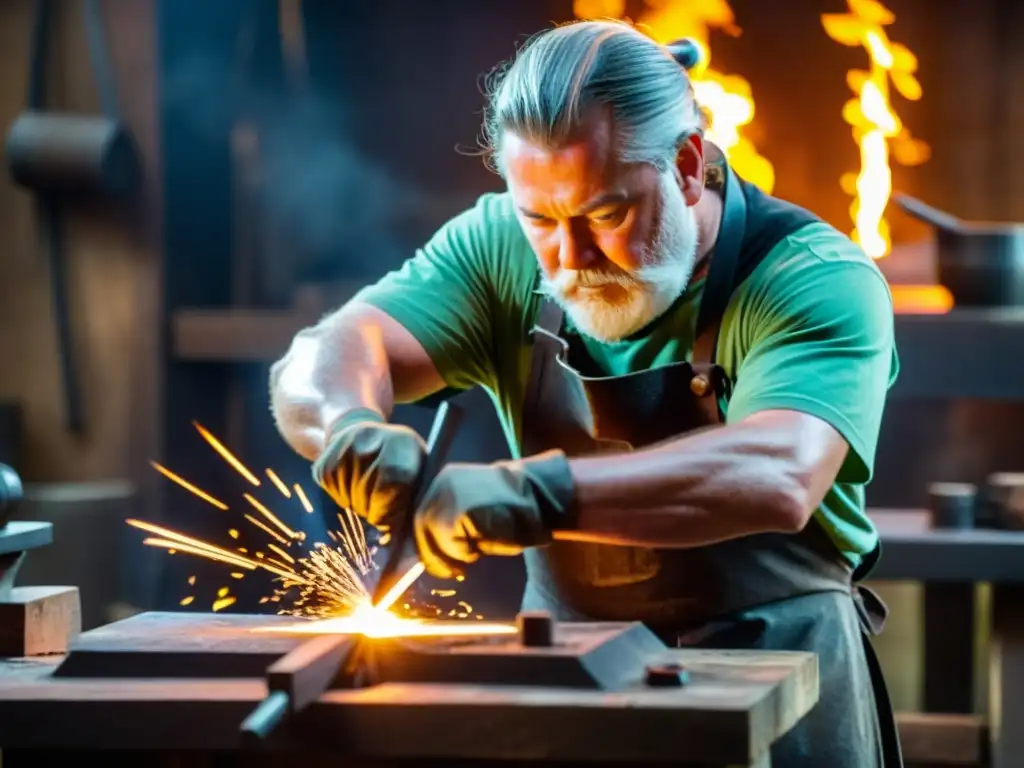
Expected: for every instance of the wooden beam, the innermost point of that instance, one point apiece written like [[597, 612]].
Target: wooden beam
[[35, 621]]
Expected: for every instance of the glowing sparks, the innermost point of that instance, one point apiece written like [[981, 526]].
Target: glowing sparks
[[222, 603], [175, 540], [227, 455], [283, 555], [188, 486], [303, 499], [278, 484], [877, 129], [352, 537], [271, 517], [322, 581], [727, 99], [369, 621], [399, 587], [266, 529]]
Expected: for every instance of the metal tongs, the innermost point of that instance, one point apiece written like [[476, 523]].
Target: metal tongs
[[298, 678], [402, 566]]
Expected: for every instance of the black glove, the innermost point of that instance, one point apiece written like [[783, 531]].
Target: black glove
[[492, 509], [371, 467]]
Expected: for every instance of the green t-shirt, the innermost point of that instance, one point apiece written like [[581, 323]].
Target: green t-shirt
[[811, 329]]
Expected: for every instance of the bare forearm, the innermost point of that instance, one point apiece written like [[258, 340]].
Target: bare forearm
[[331, 368], [753, 477]]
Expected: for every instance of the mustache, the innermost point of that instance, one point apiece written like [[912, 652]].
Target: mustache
[[566, 283]]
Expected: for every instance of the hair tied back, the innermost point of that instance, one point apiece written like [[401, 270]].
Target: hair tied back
[[686, 52]]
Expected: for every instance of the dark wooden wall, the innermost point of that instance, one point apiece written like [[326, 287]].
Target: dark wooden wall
[[114, 271]]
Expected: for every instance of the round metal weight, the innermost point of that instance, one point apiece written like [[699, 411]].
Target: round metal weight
[[666, 676], [536, 629], [72, 154], [952, 504]]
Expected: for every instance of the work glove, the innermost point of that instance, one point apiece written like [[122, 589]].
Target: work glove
[[370, 467], [492, 509]]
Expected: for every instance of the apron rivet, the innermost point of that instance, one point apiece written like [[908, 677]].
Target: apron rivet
[[699, 385]]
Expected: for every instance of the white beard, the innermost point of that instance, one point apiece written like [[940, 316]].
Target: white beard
[[649, 291]]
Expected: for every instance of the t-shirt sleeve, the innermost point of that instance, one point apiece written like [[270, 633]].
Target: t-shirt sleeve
[[821, 341], [444, 294]]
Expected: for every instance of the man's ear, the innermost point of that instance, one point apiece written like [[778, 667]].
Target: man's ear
[[690, 164]]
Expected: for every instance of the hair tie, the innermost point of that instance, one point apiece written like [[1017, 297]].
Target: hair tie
[[686, 52]]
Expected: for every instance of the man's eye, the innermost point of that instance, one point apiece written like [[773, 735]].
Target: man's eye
[[608, 218]]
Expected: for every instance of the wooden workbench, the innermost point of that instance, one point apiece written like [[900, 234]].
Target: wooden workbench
[[734, 707], [951, 563]]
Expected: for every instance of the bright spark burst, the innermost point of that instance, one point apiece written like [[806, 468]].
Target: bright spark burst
[[322, 581]]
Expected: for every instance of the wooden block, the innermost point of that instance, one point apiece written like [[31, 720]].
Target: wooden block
[[39, 620], [308, 671], [938, 739]]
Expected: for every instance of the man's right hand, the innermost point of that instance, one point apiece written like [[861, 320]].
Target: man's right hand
[[371, 467]]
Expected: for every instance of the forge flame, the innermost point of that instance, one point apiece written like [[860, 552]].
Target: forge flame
[[727, 99], [877, 128]]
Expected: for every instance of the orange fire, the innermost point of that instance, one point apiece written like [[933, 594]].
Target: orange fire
[[726, 98], [877, 129]]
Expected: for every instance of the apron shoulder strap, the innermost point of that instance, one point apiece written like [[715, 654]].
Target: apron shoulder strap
[[753, 223], [549, 318], [545, 333]]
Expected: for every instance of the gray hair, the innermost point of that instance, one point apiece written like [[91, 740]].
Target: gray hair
[[548, 89]]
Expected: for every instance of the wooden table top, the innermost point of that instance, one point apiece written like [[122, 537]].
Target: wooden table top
[[912, 550], [736, 705]]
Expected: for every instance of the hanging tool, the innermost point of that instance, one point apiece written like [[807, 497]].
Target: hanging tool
[[299, 677], [59, 156]]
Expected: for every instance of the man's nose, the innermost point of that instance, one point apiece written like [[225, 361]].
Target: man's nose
[[576, 251]]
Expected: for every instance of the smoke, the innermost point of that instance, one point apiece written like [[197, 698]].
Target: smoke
[[332, 200]]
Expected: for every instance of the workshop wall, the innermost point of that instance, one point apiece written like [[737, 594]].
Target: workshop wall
[[113, 270]]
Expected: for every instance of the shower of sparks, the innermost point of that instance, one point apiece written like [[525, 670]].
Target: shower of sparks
[[324, 581], [278, 484], [273, 518], [188, 486], [227, 455], [303, 499]]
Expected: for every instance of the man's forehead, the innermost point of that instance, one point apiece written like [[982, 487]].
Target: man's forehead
[[571, 176], [592, 145]]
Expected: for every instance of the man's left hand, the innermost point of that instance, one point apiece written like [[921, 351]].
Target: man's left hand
[[492, 509]]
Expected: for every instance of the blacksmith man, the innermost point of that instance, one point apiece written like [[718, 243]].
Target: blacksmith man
[[692, 373]]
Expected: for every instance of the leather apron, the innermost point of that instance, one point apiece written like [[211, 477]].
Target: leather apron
[[571, 406]]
